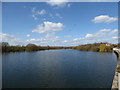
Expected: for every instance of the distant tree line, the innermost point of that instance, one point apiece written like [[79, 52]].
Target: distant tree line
[[96, 47], [5, 47]]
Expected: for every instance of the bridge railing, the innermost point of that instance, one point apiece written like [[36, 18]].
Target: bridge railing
[[116, 82], [116, 49]]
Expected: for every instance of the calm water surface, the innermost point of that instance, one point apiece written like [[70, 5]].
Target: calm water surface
[[58, 69]]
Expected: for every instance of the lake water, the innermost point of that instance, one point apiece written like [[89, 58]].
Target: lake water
[[58, 69]]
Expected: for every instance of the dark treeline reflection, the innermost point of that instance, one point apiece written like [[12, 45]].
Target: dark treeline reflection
[[96, 47]]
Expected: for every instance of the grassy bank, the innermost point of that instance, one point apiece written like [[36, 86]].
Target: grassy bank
[[96, 47]]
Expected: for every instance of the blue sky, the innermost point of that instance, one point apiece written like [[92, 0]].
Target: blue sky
[[59, 24]]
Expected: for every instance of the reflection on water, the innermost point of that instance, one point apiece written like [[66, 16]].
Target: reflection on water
[[58, 69]]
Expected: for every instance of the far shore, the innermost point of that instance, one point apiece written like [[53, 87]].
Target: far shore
[[95, 47]]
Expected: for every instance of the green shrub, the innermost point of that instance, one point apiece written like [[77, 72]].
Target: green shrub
[[31, 47]]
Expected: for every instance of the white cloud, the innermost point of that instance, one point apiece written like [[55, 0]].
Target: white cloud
[[55, 15], [51, 15], [104, 19], [68, 5], [33, 9], [52, 37], [11, 39], [40, 41], [65, 41], [105, 30], [115, 37], [48, 39], [58, 15], [35, 40], [93, 36], [56, 40], [41, 12], [7, 37], [37, 14], [78, 39], [57, 2], [89, 35], [67, 36], [48, 27], [102, 34], [28, 35], [113, 40], [35, 17], [115, 31]]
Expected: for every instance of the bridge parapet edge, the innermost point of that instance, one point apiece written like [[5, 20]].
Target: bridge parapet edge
[[115, 85]]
